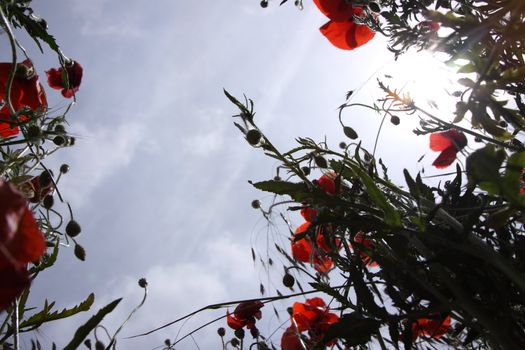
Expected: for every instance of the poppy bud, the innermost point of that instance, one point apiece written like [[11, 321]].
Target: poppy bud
[[288, 280], [221, 332], [167, 342], [59, 140], [350, 133], [48, 201], [305, 170], [71, 141], [64, 168], [254, 332], [87, 343], [80, 252], [100, 345], [289, 310], [320, 162], [59, 128], [253, 137], [45, 179], [235, 342], [395, 120], [239, 333], [73, 228], [277, 178], [34, 132], [256, 204], [374, 7], [503, 123], [264, 4], [143, 283], [342, 145]]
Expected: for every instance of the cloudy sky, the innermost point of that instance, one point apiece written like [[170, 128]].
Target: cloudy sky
[[159, 174]]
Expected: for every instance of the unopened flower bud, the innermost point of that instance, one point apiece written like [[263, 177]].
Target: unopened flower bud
[[45, 179], [256, 204], [264, 3], [87, 343], [305, 170], [235, 342], [289, 310], [59, 140], [342, 145], [143, 283], [374, 7], [239, 333], [100, 345], [48, 201], [321, 162], [253, 136], [288, 280], [167, 342], [34, 132], [254, 332], [394, 120], [73, 228], [221, 331], [80, 252], [64, 168], [59, 128]]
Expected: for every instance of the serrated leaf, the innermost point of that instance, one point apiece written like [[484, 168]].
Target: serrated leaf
[[295, 190], [35, 29], [44, 315], [84, 330], [325, 288]]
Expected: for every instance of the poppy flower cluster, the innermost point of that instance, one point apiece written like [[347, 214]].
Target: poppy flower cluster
[[67, 79], [342, 30], [26, 91], [431, 327], [312, 317], [245, 315], [304, 249], [449, 143], [21, 242]]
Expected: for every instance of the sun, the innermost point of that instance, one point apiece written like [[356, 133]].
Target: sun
[[427, 80]]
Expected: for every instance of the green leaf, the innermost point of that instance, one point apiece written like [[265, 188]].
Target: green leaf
[[296, 190], [84, 330], [483, 168], [350, 133], [44, 315], [511, 181], [35, 29], [392, 216], [326, 288]]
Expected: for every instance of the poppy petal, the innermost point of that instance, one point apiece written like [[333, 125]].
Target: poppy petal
[[447, 157], [440, 141], [347, 35], [14, 281], [336, 10]]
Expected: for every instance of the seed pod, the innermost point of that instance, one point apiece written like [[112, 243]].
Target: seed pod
[[143, 283], [100, 345], [235, 342], [239, 333], [256, 204], [59, 140], [59, 128], [64, 168], [48, 201], [374, 7], [34, 132], [288, 280], [80, 252], [221, 331], [264, 4], [73, 228], [305, 170], [395, 120], [321, 162], [253, 137], [45, 179]]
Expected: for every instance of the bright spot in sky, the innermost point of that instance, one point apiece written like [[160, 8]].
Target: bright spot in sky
[[427, 79]]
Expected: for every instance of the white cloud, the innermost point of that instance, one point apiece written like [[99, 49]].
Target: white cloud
[[99, 152]]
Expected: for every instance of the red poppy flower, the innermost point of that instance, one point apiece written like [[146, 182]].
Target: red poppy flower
[[449, 142], [26, 91], [367, 244], [303, 250], [429, 26], [341, 30], [68, 81], [432, 327], [37, 192], [313, 316], [21, 242], [290, 339], [245, 314]]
